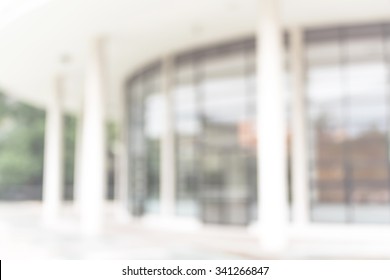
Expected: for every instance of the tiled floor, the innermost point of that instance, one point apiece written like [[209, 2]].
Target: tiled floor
[[22, 236]]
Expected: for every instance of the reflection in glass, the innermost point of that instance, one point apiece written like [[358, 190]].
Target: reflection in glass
[[215, 137], [348, 109], [145, 112]]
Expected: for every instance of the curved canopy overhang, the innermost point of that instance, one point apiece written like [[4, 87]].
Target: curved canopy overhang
[[40, 39]]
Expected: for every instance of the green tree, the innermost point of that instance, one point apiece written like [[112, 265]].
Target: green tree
[[21, 144], [22, 132]]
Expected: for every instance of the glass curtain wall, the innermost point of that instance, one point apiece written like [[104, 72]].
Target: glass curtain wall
[[214, 97], [215, 133], [145, 103], [348, 104]]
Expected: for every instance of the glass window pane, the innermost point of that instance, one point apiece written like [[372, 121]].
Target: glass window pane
[[349, 124], [216, 145]]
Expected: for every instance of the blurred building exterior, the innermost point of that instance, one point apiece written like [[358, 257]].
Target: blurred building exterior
[[271, 115]]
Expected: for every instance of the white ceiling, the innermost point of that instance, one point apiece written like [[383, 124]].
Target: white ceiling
[[35, 35]]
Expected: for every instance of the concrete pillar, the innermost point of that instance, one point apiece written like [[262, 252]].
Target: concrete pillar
[[272, 160], [77, 160], [53, 159], [93, 175], [299, 141], [120, 189], [121, 164], [167, 163]]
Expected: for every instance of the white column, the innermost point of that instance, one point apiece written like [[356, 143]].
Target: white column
[[53, 164], [272, 161], [299, 141], [120, 181], [121, 164], [77, 160], [93, 151], [167, 163]]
